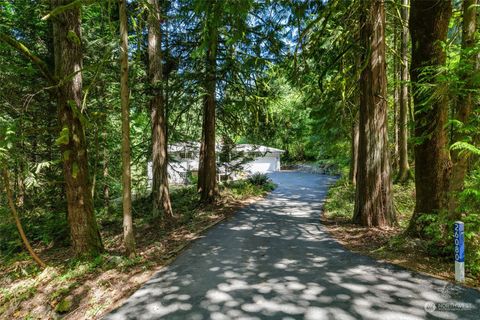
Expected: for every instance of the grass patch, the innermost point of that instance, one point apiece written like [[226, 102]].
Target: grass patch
[[340, 201], [404, 202]]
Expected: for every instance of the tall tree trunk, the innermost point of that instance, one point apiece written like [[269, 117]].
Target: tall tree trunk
[[128, 235], [429, 21], [21, 183], [95, 164], [68, 69], [167, 84], [373, 198], [160, 190], [201, 154], [355, 126], [396, 98], [465, 101], [106, 186], [404, 169], [354, 152], [201, 157], [20, 167], [208, 171]]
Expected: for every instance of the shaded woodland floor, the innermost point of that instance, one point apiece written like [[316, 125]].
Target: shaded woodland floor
[[387, 244]]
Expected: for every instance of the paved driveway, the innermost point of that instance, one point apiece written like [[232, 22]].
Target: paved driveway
[[273, 260]]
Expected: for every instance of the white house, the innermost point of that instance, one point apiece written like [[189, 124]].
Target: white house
[[184, 160]]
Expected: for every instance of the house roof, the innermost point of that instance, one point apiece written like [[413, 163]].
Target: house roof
[[183, 147], [257, 148], [195, 146]]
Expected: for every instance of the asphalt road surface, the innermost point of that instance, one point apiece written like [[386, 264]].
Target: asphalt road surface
[[273, 260]]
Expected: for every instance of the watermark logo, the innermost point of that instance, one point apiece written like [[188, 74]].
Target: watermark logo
[[430, 307], [447, 306]]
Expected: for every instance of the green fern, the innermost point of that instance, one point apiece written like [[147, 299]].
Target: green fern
[[465, 148]]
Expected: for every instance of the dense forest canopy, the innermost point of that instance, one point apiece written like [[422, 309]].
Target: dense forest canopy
[[379, 92]]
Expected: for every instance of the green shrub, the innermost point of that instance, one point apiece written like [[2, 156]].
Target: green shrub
[[340, 200], [41, 226], [247, 188], [192, 178], [259, 179], [269, 186], [439, 228], [439, 235], [472, 243], [469, 205]]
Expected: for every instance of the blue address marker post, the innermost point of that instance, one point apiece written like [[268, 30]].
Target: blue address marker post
[[458, 231]]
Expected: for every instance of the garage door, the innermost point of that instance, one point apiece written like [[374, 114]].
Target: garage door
[[262, 165]]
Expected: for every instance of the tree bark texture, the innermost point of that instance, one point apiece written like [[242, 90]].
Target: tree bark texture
[[160, 189], [429, 21], [373, 200], [208, 170], [68, 70], [396, 98], [354, 152], [403, 166], [106, 186], [128, 233]]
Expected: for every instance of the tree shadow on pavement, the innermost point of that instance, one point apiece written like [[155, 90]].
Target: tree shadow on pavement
[[273, 260]]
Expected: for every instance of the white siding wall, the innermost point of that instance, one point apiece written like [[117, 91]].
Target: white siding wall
[[268, 163], [177, 171]]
